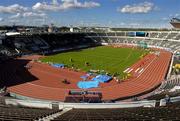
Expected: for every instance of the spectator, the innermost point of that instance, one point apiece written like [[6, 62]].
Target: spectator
[[167, 99]]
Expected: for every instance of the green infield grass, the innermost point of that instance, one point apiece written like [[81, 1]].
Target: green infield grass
[[110, 59]]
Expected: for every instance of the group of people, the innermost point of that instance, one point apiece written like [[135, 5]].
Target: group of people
[[65, 81]]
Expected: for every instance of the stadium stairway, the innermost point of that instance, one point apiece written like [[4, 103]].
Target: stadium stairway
[[19, 113], [55, 115]]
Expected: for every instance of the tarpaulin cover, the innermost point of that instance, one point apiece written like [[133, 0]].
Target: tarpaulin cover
[[88, 84], [94, 82], [102, 78]]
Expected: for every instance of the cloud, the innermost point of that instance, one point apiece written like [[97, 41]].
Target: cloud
[[177, 15], [64, 5], [18, 15], [134, 24], [32, 14], [28, 14], [122, 24], [1, 19], [138, 8], [54, 2], [15, 8]]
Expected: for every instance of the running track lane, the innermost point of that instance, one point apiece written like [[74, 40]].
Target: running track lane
[[150, 78]]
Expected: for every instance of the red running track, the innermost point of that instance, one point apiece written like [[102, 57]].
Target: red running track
[[48, 85]]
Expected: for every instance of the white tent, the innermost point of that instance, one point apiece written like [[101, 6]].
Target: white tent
[[12, 33]]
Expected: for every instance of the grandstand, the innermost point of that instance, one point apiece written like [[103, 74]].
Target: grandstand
[[27, 83], [129, 114], [76, 113]]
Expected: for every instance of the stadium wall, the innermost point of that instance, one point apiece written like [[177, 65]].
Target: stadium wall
[[49, 105], [29, 103], [172, 99], [20, 97], [151, 103]]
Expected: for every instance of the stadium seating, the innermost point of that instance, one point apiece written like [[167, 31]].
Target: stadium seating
[[29, 44], [7, 51], [48, 42], [177, 37], [168, 113], [162, 35], [153, 35], [14, 113], [111, 34], [120, 33], [171, 35], [9, 74], [157, 39], [102, 34], [167, 85]]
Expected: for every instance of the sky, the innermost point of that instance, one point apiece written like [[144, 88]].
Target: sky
[[108, 13]]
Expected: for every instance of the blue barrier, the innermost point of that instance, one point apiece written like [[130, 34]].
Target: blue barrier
[[57, 65]]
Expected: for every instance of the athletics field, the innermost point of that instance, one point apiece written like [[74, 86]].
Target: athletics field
[[110, 59]]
